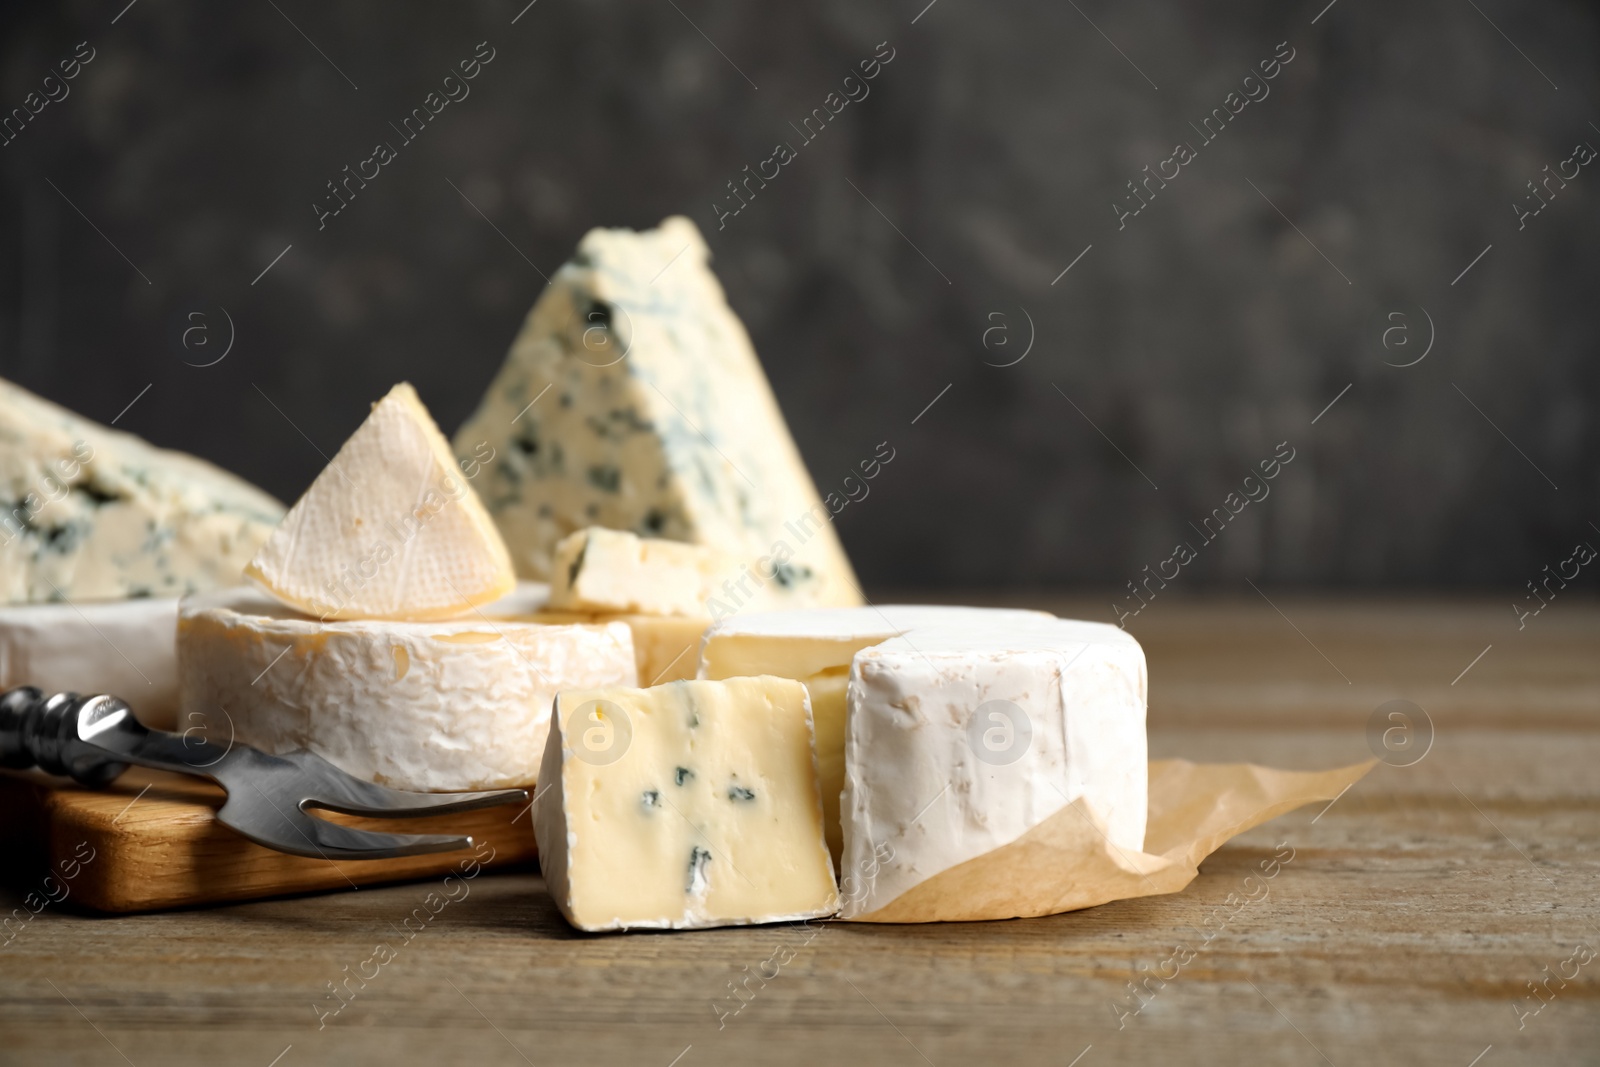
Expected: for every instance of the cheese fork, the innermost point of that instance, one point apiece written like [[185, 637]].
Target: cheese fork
[[93, 739]]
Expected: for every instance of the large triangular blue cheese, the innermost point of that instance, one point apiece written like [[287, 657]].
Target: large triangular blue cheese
[[633, 400]]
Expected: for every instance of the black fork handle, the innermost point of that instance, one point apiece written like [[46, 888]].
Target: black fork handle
[[42, 731], [91, 739]]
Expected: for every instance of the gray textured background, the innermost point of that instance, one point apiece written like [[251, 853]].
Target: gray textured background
[[996, 141]]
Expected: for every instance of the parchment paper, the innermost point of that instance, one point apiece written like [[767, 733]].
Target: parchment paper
[[1067, 862]]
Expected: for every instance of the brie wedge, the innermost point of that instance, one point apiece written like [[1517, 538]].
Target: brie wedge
[[389, 530]]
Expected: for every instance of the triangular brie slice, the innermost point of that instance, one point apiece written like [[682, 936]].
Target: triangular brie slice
[[390, 530]]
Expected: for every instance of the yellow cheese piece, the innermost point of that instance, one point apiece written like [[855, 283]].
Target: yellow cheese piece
[[686, 805], [730, 652], [389, 530], [828, 690], [821, 661], [666, 647]]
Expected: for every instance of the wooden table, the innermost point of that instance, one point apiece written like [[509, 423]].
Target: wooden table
[[1406, 929]]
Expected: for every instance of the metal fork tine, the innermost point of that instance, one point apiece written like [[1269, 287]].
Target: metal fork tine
[[283, 825], [344, 842], [337, 791], [381, 802]]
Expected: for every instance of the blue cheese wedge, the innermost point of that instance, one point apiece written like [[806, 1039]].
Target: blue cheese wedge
[[686, 805], [633, 400], [92, 513], [944, 733]]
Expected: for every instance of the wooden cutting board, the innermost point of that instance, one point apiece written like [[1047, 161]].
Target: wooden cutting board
[[151, 841]]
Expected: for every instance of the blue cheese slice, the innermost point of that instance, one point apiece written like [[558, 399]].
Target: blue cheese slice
[[686, 805], [92, 513], [633, 400]]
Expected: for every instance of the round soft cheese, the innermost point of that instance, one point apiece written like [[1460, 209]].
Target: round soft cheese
[[120, 647], [441, 706], [947, 732]]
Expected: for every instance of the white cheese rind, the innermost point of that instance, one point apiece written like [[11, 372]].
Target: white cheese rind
[[658, 418], [126, 648], [92, 513], [435, 706], [919, 776], [916, 774], [686, 805]]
